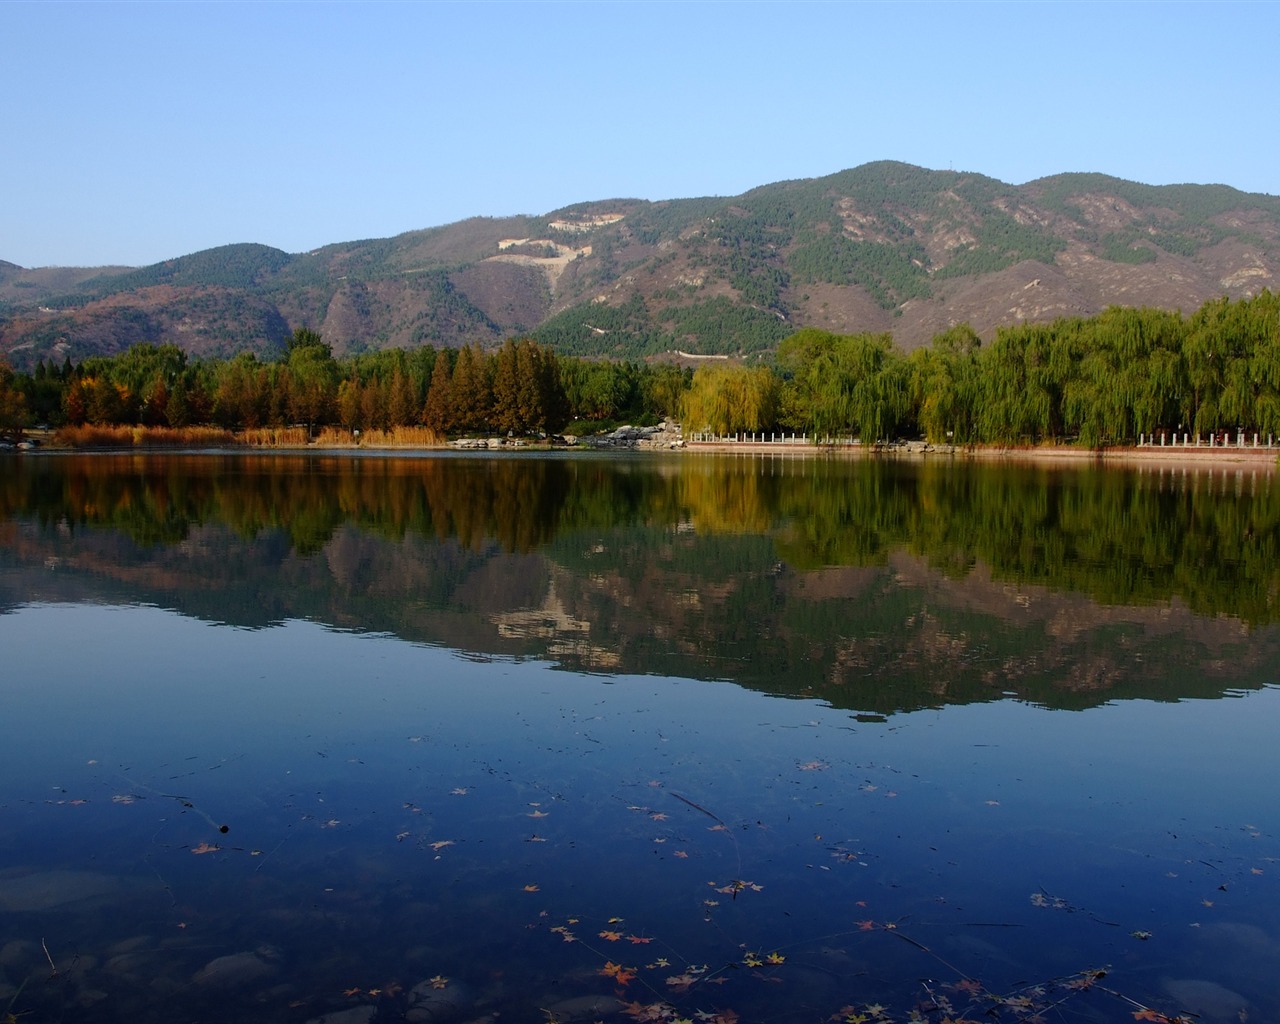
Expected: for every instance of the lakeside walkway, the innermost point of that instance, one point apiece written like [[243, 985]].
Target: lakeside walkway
[[1187, 450]]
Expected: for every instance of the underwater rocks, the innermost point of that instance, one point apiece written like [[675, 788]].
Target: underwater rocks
[[237, 970]]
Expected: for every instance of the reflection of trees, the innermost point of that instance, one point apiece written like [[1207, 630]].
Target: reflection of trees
[[1211, 540], [874, 585]]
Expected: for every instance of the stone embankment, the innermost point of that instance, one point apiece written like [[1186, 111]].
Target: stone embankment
[[664, 436]]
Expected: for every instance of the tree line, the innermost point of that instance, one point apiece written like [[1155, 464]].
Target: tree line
[[520, 388], [1101, 380], [1104, 380]]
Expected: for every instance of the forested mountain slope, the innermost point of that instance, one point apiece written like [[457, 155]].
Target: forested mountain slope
[[882, 247]]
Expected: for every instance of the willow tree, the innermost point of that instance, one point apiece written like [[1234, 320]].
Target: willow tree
[[730, 399], [1233, 362], [944, 385], [844, 383], [1129, 378], [1025, 372]]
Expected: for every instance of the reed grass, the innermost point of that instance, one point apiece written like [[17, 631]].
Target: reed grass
[[121, 436], [104, 436], [273, 437]]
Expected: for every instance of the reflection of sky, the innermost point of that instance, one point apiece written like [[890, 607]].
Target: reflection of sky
[[1135, 812]]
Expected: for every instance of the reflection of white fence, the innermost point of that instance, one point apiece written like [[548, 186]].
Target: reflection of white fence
[[1218, 439], [763, 437]]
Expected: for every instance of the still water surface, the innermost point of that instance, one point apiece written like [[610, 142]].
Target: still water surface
[[446, 739]]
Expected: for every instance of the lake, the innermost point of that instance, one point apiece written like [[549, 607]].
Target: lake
[[363, 738]]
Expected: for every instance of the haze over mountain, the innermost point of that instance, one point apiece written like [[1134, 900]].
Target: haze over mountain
[[882, 247]]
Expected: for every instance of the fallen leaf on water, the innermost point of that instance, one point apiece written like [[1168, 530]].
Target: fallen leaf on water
[[775, 958], [609, 936], [530, 888], [622, 975], [458, 791], [440, 844], [537, 814], [205, 848], [439, 981]]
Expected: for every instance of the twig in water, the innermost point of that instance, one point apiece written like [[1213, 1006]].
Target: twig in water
[[52, 966]]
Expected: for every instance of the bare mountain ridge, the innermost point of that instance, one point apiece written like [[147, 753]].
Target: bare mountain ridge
[[882, 247]]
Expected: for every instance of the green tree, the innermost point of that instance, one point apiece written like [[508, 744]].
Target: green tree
[[731, 400], [844, 384], [313, 381]]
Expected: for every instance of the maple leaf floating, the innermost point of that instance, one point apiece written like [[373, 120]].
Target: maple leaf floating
[[610, 936], [737, 886], [439, 981], [531, 888], [622, 975], [440, 844], [205, 848]]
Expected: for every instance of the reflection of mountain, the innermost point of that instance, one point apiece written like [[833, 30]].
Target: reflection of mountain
[[874, 586]]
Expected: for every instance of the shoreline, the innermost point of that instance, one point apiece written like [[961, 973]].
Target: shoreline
[[1187, 457], [1219, 457]]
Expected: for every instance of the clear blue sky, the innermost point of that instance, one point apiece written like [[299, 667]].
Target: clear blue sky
[[134, 132]]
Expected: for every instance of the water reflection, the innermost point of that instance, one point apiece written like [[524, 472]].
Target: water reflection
[[470, 773], [878, 586]]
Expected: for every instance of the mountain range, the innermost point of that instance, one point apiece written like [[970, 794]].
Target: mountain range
[[884, 247]]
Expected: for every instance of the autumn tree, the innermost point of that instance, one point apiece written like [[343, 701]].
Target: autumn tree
[[438, 413], [403, 406], [472, 392], [13, 407]]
